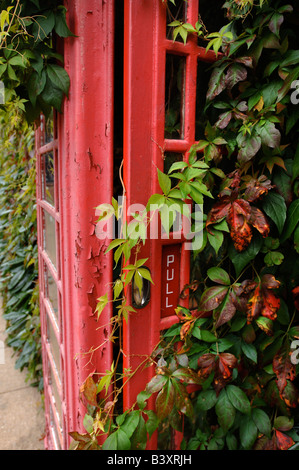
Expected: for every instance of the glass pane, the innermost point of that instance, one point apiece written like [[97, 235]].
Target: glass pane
[[48, 177], [212, 18], [174, 92], [51, 292], [175, 12], [170, 158], [56, 395], [49, 129], [50, 237], [54, 434], [52, 338], [204, 71]]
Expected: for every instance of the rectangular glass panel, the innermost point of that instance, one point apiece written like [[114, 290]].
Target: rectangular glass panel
[[56, 395], [49, 129], [212, 18], [54, 434], [204, 71], [53, 345], [174, 93], [175, 12], [48, 177], [50, 237], [51, 292]]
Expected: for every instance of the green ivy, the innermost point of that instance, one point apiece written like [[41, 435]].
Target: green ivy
[[30, 66], [18, 244], [226, 373]]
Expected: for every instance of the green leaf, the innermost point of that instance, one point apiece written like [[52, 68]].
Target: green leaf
[[238, 399], [59, 77], [262, 421], [164, 182], [43, 25], [248, 432], [165, 401], [270, 135], [88, 423], [152, 422], [142, 397], [249, 145], [118, 440], [250, 351], [139, 437], [217, 82], [219, 275], [130, 423], [235, 73], [102, 302], [275, 207], [52, 95], [216, 239], [225, 411], [156, 383], [212, 297], [61, 27], [292, 220], [204, 335], [207, 399], [241, 260]]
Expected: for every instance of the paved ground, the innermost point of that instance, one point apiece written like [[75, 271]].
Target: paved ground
[[21, 412]]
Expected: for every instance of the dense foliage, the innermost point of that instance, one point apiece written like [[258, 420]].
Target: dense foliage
[[18, 247], [30, 66], [226, 374], [33, 80]]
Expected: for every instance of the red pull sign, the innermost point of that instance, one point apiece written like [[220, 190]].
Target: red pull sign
[[170, 282]]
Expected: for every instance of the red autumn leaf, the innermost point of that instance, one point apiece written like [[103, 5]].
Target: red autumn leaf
[[283, 369], [255, 188], [219, 211], [259, 221], [89, 390], [206, 364], [240, 294], [222, 364], [240, 216], [185, 329], [212, 297], [295, 293], [227, 362], [271, 304], [240, 230], [254, 305], [283, 441], [226, 311], [269, 281], [263, 301], [290, 395]]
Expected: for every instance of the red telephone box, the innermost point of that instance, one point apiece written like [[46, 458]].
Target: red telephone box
[[76, 167]]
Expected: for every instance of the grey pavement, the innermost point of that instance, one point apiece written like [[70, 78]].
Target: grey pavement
[[21, 408]]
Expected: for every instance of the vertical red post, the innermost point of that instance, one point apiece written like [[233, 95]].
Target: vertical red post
[[85, 134]]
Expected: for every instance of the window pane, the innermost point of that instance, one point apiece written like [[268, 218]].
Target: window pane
[[52, 339], [51, 292], [48, 177], [49, 129], [50, 237], [175, 12], [174, 93]]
